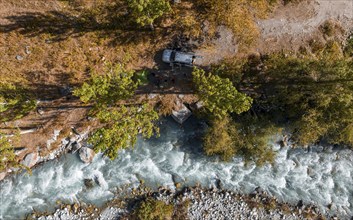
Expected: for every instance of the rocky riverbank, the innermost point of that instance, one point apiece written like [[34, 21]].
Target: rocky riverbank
[[198, 203]]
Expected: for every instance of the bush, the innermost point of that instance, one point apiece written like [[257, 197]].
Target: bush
[[151, 209], [8, 158]]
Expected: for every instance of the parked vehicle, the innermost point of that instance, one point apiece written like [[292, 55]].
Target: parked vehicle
[[178, 57]]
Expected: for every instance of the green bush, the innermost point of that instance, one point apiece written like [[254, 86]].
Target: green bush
[[8, 158], [151, 209]]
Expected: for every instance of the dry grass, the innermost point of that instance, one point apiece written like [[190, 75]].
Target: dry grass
[[167, 104]]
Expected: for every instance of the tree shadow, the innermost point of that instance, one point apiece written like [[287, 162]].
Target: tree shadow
[[59, 86], [165, 79], [111, 20]]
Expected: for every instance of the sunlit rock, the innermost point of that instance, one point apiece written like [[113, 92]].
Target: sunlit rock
[[86, 154]]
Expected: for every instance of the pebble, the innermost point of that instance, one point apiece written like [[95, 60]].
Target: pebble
[[203, 204]]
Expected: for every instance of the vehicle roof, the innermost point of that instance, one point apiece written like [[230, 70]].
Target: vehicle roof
[[183, 57], [166, 55]]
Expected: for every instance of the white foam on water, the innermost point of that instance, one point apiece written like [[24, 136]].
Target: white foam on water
[[315, 176]]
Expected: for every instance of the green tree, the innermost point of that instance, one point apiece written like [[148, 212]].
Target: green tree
[[116, 84], [311, 97], [15, 102], [145, 12], [219, 95], [247, 137], [122, 125]]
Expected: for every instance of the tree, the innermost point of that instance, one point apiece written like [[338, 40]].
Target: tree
[[116, 84], [122, 125], [316, 96], [219, 95], [313, 98], [15, 102], [247, 137], [145, 12]]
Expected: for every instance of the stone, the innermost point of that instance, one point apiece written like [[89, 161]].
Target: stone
[[2, 175], [75, 147], [89, 183], [30, 159], [152, 96], [40, 111], [65, 91], [18, 57], [181, 115], [20, 150], [27, 50], [86, 154]]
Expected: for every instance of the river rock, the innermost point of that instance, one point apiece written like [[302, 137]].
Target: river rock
[[30, 159], [89, 183], [2, 175], [86, 154], [182, 114]]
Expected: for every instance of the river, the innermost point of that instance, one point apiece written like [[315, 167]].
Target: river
[[319, 175]]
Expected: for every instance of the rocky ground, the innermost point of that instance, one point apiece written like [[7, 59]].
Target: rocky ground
[[202, 204]]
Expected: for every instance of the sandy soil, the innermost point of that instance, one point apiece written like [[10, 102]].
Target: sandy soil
[[293, 25], [287, 28]]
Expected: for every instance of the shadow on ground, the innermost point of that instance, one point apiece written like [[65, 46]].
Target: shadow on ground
[[110, 21]]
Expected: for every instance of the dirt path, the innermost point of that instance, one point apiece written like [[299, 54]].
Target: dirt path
[[291, 26], [287, 28]]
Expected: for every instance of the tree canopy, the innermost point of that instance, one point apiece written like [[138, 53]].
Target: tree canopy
[[248, 137], [15, 102], [311, 97], [145, 12], [116, 84], [121, 123], [219, 95]]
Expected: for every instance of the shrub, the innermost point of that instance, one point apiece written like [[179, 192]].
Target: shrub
[[151, 209], [8, 158]]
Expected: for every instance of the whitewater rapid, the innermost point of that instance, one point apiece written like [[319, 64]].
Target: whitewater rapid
[[320, 176]]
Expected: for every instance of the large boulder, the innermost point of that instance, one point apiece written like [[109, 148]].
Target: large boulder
[[182, 114], [30, 159], [86, 154]]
